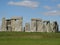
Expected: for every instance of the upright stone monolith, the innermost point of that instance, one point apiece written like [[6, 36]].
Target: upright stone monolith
[[3, 24], [27, 27], [33, 25], [39, 25]]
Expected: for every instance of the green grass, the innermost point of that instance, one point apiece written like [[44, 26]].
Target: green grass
[[25, 38]]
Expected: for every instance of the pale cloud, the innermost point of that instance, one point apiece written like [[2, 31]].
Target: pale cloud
[[58, 5], [26, 3], [52, 13], [47, 7]]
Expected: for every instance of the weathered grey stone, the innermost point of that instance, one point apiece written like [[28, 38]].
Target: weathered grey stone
[[54, 27], [19, 25], [47, 26], [13, 24], [36, 25], [3, 24], [27, 27], [44, 27], [33, 25], [39, 26]]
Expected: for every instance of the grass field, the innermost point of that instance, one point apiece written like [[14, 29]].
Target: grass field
[[25, 38]]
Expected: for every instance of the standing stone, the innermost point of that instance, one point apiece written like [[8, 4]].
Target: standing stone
[[20, 22], [27, 27], [8, 25], [44, 27], [39, 25], [33, 25], [47, 26], [3, 24], [13, 24], [54, 27]]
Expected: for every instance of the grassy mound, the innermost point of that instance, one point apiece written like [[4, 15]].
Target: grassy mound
[[29, 38]]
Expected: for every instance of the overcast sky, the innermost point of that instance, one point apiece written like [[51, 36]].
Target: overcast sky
[[44, 9]]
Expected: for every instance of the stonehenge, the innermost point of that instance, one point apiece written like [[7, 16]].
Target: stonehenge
[[36, 25]]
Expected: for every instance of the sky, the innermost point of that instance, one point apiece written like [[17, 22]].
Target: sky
[[44, 9]]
